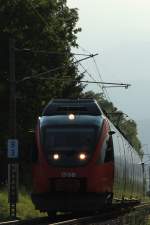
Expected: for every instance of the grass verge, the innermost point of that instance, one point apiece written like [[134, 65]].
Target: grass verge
[[25, 208]]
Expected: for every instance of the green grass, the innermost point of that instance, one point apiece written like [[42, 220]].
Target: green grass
[[4, 210], [25, 208]]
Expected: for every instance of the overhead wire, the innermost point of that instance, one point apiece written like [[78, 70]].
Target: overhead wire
[[91, 76], [85, 70], [51, 70], [50, 52], [84, 50], [100, 77], [47, 27], [103, 88], [39, 15]]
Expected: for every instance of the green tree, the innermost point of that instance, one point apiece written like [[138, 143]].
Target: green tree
[[44, 32], [48, 29], [119, 119]]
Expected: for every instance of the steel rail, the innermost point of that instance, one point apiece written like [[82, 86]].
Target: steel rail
[[109, 214]]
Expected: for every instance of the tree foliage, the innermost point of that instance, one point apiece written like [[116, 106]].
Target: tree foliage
[[119, 119], [44, 32]]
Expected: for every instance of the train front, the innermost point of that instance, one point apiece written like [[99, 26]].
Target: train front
[[73, 170]]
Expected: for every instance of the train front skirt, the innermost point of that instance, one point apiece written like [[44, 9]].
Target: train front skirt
[[66, 202]]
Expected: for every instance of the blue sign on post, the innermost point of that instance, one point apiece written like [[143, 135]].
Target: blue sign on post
[[12, 147]]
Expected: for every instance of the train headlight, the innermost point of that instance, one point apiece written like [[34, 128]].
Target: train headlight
[[56, 156], [71, 116], [82, 156]]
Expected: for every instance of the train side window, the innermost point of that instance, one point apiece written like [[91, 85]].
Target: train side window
[[109, 156]]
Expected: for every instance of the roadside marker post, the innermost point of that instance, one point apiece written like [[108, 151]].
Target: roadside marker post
[[12, 144]]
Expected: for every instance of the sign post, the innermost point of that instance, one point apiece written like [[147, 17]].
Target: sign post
[[12, 145]]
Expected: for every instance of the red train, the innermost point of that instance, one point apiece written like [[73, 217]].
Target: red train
[[81, 161]]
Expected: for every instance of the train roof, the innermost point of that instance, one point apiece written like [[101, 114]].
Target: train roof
[[77, 106]]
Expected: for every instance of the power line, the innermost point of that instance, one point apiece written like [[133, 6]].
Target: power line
[[47, 26], [82, 54], [55, 69], [114, 86], [108, 83], [85, 70], [102, 82], [103, 88], [52, 52], [40, 74], [83, 49], [40, 51], [52, 70], [82, 81], [99, 84], [97, 69], [91, 76], [89, 56], [39, 15]]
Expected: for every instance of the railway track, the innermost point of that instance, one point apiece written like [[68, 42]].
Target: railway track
[[111, 215], [47, 221]]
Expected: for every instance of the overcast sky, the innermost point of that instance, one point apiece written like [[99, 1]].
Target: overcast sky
[[119, 30]]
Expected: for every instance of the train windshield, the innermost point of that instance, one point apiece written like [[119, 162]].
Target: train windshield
[[69, 139]]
